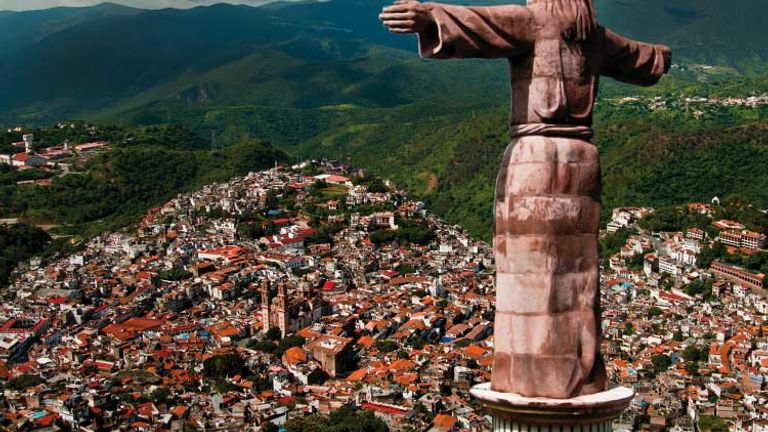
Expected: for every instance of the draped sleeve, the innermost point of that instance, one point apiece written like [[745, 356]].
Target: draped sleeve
[[483, 32], [634, 62]]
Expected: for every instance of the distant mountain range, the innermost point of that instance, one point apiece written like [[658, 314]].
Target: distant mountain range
[[25, 5], [73, 62]]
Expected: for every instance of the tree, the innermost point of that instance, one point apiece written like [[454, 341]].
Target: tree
[[179, 304], [386, 346], [416, 342], [345, 419], [691, 353], [23, 382], [313, 423], [462, 343], [637, 261], [271, 199], [629, 330], [271, 228], [613, 242], [678, 336], [382, 236], [712, 423], [699, 286], [18, 243], [274, 334], [174, 274], [692, 368], [405, 268], [377, 186], [265, 346], [225, 365], [160, 395], [756, 261], [288, 342], [661, 363], [250, 230], [672, 218], [667, 283]]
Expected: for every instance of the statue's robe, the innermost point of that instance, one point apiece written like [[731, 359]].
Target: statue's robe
[[547, 202]]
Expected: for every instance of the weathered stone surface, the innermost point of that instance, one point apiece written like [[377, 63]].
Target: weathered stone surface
[[545, 254], [552, 149], [548, 178], [546, 335], [546, 332], [542, 215], [538, 294]]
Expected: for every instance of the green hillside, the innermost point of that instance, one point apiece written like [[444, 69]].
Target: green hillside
[[145, 167], [653, 158], [713, 32]]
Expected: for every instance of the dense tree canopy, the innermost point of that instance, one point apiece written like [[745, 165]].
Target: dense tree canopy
[[17, 243], [23, 382], [223, 366], [146, 167], [345, 419]]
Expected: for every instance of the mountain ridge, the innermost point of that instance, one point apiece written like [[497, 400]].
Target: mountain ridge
[[73, 62]]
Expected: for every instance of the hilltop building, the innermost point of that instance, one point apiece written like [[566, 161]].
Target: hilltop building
[[746, 239]]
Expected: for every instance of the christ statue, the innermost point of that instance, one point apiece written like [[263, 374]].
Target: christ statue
[[547, 201]]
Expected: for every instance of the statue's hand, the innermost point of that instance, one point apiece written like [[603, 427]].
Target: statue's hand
[[407, 17]]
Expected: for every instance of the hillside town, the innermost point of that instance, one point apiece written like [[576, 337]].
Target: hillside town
[[299, 291], [698, 106], [43, 163]]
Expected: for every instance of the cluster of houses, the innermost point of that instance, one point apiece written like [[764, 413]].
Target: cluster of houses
[[691, 341], [28, 156], [401, 330], [697, 105], [282, 274]]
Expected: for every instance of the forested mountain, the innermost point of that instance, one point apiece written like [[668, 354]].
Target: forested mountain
[[212, 56], [108, 59]]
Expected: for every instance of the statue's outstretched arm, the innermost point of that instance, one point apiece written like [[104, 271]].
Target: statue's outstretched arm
[[634, 62], [452, 31]]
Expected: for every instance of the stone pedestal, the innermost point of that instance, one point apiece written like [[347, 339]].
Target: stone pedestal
[[593, 413]]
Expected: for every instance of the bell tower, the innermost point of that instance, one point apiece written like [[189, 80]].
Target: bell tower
[[265, 304], [282, 309]]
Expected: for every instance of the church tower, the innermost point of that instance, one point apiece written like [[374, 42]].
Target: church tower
[[265, 303], [282, 309]]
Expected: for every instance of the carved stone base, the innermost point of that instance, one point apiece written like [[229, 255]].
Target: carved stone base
[[592, 413]]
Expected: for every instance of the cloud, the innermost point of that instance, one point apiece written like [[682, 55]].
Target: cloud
[[20, 5]]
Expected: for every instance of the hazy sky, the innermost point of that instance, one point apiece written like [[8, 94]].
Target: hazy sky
[[17, 5]]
